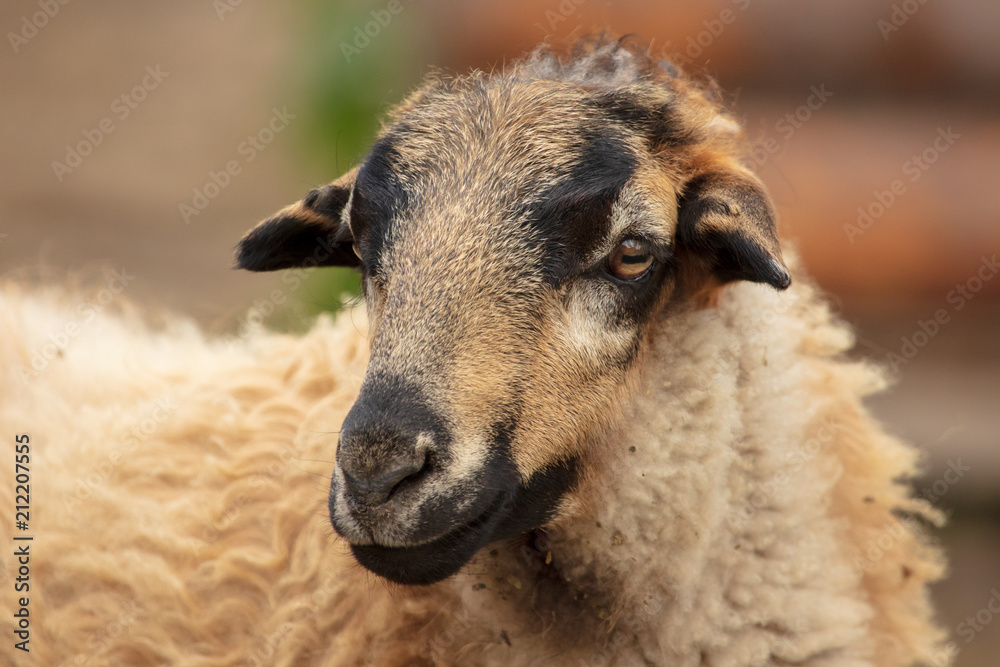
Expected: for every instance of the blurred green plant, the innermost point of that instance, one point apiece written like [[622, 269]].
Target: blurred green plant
[[358, 58]]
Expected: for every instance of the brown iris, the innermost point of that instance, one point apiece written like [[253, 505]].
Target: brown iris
[[630, 260]]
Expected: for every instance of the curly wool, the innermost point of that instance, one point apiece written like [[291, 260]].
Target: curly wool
[[179, 488]]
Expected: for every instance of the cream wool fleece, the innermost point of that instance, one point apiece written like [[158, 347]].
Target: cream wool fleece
[[178, 506]]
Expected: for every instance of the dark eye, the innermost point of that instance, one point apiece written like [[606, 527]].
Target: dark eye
[[630, 260]]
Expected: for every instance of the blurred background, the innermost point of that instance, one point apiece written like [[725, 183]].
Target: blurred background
[[147, 137]]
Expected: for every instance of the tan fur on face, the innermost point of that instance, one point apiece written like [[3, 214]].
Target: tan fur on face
[[462, 296], [459, 301], [732, 486]]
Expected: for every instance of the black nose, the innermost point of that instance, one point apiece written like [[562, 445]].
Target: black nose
[[390, 441], [374, 483]]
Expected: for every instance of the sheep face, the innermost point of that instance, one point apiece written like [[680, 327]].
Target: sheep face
[[517, 237]]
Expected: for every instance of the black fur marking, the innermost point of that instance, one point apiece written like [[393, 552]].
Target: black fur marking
[[378, 198], [433, 561], [738, 257], [502, 433], [514, 509], [288, 241], [328, 201], [503, 505], [661, 126], [574, 216], [729, 220], [537, 499]]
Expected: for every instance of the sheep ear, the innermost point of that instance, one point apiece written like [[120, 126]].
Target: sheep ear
[[308, 233], [726, 220]]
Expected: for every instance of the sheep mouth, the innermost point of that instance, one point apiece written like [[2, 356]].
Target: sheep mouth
[[511, 512], [438, 559]]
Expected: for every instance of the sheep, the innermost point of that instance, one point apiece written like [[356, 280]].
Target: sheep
[[584, 417]]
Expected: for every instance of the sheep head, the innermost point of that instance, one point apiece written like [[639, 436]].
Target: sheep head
[[517, 235]]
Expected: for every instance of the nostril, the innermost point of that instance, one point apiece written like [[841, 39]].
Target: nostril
[[408, 476], [379, 488]]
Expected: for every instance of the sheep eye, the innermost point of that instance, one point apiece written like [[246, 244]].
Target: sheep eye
[[631, 260]]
